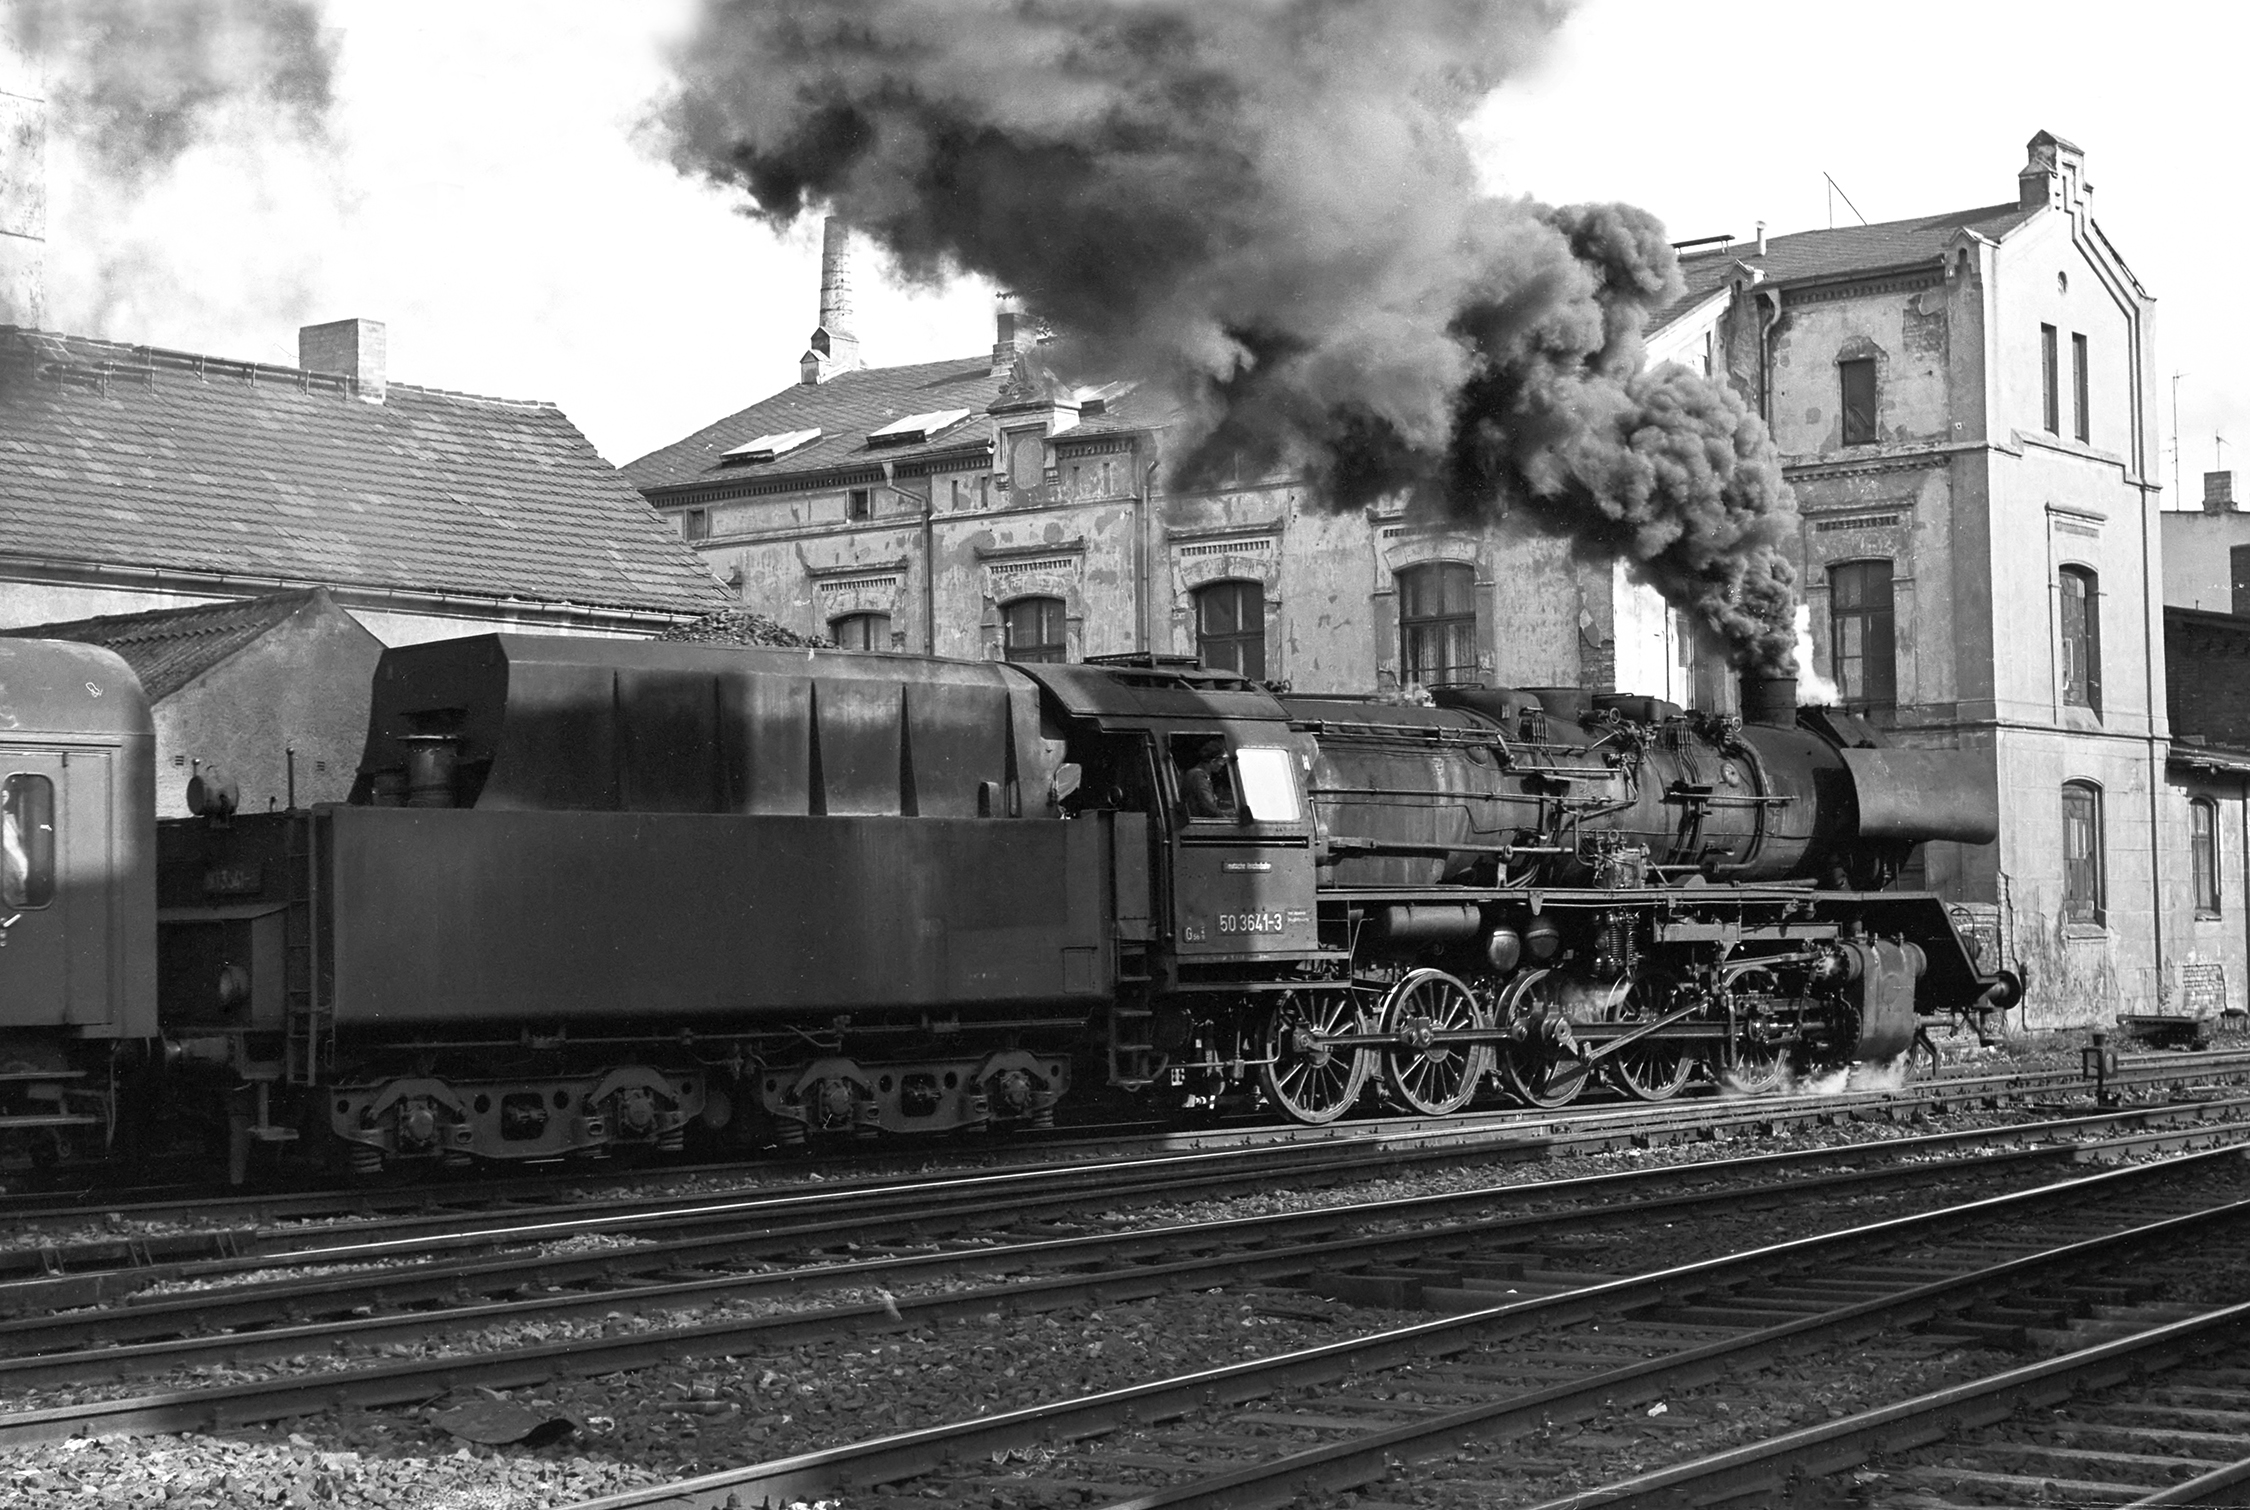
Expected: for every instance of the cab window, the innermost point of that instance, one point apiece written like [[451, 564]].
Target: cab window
[[1205, 779], [1269, 786], [27, 841]]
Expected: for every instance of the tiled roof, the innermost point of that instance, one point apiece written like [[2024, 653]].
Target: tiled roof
[[170, 647], [122, 454], [845, 409], [1805, 255]]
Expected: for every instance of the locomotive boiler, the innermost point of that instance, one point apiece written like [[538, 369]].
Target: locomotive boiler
[[592, 895]]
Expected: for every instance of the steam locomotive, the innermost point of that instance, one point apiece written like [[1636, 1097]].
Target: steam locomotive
[[592, 895]]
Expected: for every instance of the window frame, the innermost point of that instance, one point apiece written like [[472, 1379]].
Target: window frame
[[2081, 407], [864, 617], [2080, 673], [1455, 630], [859, 505], [2203, 856], [2088, 908], [1243, 636], [2050, 378], [695, 524], [1869, 431], [1863, 697], [1059, 645], [28, 885]]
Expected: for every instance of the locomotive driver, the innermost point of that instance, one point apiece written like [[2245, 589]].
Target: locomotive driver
[[1204, 784]]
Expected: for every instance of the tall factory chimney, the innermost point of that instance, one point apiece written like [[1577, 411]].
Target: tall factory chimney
[[23, 188], [834, 348]]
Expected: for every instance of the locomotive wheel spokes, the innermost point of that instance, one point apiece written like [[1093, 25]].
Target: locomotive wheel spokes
[[1756, 1069], [1542, 1066], [1306, 1080], [1434, 1079], [1651, 1069]]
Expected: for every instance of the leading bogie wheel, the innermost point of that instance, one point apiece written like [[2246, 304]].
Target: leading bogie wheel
[[1307, 1080], [1543, 1066], [1433, 1079]]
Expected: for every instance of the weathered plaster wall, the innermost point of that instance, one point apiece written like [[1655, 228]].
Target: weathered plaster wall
[[304, 684]]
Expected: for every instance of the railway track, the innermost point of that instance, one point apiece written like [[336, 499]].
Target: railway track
[[237, 1212], [1905, 1298], [168, 1241], [1351, 1251]]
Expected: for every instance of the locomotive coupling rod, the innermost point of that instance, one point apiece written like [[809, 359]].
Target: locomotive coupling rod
[[1611, 1046]]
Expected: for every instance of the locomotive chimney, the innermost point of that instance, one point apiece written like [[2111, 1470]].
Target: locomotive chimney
[[1769, 700]]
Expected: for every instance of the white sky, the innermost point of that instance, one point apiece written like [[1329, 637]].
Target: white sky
[[487, 199]]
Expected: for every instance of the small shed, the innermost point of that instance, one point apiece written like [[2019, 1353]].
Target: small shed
[[256, 689]]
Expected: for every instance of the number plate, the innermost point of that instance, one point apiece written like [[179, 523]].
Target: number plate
[[1250, 922]]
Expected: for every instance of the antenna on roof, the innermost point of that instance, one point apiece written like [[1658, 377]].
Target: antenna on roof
[[1835, 192]]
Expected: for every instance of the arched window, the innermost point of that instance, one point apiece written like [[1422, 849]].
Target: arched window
[[1230, 627], [861, 631], [1862, 638], [2203, 853], [2083, 878], [2081, 638], [1031, 629], [1437, 624]]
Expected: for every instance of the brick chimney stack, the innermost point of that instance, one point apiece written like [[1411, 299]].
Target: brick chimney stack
[[23, 188], [355, 349], [833, 348], [1011, 336], [2218, 492]]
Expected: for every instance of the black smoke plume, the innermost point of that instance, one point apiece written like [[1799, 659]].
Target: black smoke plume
[[139, 81], [1266, 206]]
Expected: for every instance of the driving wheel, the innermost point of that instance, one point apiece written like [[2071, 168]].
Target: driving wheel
[[1542, 1063], [1648, 1069], [1434, 1079], [1307, 1080]]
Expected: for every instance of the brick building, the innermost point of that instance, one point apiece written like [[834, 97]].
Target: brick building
[[966, 509]]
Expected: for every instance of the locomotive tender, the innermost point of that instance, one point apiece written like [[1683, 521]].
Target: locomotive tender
[[593, 894]]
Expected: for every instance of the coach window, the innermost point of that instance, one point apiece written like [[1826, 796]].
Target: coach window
[[2203, 854], [1230, 628], [2083, 881], [861, 631], [2081, 638], [1031, 629], [27, 841], [1862, 634], [1437, 624]]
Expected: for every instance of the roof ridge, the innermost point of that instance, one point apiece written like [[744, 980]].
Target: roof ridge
[[141, 355], [270, 602]]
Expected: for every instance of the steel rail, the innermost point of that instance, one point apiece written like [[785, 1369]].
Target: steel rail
[[1344, 1465], [521, 1367], [1924, 1419], [342, 1296], [129, 1263], [1416, 1142], [1253, 1258], [909, 1454]]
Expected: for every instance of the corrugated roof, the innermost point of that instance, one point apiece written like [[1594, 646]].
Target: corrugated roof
[[112, 453], [170, 647], [1805, 255], [846, 409]]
